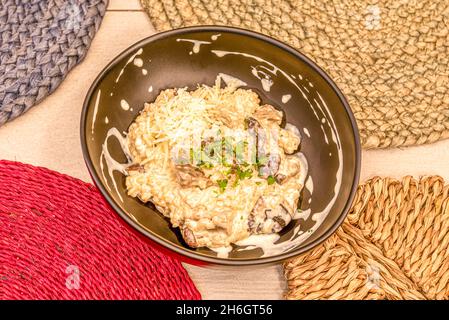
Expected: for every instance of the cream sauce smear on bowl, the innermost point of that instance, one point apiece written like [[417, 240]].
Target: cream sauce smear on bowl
[[263, 71]]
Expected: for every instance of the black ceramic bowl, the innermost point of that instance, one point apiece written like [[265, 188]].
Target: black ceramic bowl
[[166, 60]]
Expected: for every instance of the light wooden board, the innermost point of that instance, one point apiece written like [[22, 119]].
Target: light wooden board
[[48, 136], [124, 5]]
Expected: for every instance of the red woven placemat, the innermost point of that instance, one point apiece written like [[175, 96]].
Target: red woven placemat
[[60, 240]]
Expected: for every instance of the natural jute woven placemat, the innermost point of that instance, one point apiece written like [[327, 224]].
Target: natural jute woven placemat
[[394, 245], [59, 239], [390, 58], [40, 42]]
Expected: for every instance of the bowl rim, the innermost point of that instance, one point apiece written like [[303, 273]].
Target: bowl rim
[[184, 251]]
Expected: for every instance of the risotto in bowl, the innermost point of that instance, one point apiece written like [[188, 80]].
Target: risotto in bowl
[[221, 145]]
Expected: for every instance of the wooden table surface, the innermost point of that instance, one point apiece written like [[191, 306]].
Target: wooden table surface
[[48, 135]]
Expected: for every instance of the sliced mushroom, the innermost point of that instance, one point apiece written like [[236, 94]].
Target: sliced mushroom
[[251, 123], [189, 237], [289, 167], [205, 237], [135, 167], [190, 176], [267, 217], [269, 113]]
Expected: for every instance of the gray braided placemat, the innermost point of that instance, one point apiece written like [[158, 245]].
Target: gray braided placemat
[[40, 42]]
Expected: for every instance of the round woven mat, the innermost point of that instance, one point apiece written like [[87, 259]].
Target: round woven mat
[[390, 58], [40, 42], [394, 245], [60, 240]]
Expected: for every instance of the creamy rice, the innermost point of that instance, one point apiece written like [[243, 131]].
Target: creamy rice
[[216, 162]]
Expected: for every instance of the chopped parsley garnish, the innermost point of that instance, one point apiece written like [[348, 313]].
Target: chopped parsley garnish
[[243, 174], [207, 165], [222, 184], [245, 164], [229, 171], [271, 180]]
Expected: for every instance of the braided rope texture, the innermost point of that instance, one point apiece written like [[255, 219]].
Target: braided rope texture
[[394, 245], [40, 42], [60, 240], [390, 58]]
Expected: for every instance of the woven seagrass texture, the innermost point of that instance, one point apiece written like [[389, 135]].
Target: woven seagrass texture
[[394, 245], [60, 240], [40, 42], [390, 58]]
